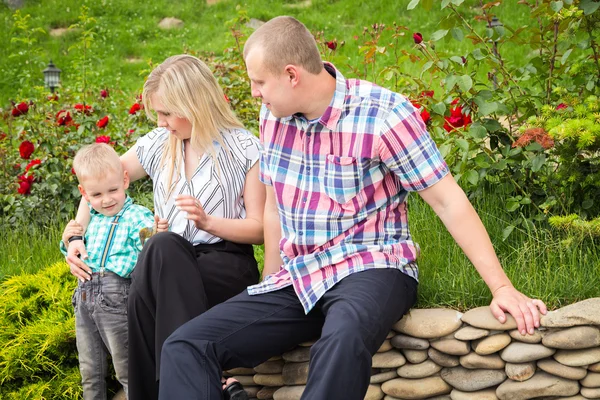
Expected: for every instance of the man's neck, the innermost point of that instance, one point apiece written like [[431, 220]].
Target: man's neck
[[321, 90]]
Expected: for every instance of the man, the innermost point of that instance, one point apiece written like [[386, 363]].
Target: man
[[340, 157]]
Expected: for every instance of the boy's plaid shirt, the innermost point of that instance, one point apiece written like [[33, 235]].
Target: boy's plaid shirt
[[126, 243], [341, 184]]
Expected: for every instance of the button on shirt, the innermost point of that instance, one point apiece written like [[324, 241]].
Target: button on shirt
[[341, 184], [123, 249]]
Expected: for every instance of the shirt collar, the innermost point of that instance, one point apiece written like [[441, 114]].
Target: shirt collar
[[333, 112], [127, 203]]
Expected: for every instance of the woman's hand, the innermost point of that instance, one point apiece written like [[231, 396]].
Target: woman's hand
[[76, 253], [73, 228], [195, 211]]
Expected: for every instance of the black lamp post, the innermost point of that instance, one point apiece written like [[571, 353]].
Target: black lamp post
[[493, 24], [51, 76]]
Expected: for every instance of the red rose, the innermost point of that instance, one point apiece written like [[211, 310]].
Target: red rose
[[227, 98], [83, 108], [104, 93], [464, 60], [2, 136], [456, 119], [135, 108], [73, 170], [63, 118], [25, 182], [417, 37], [102, 122], [32, 163], [427, 93], [52, 97], [332, 45], [20, 109], [425, 116], [25, 149], [561, 106], [103, 139]]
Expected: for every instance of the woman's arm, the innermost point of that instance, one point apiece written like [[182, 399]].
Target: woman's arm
[[273, 260], [248, 230]]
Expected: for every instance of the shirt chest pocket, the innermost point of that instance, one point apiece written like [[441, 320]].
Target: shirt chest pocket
[[343, 178]]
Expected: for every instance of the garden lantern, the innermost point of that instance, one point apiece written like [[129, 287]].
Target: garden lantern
[[51, 76]]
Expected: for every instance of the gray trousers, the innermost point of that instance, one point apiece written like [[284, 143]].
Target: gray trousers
[[101, 329]]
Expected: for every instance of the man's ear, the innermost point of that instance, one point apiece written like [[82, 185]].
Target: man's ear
[[125, 180], [292, 73], [83, 193]]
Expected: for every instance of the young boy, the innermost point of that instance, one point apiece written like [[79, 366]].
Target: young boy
[[113, 244]]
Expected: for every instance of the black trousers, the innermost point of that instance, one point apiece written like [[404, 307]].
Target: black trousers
[[352, 320], [173, 282]]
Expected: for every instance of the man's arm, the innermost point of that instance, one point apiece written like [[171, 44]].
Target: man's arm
[[272, 229], [458, 215]]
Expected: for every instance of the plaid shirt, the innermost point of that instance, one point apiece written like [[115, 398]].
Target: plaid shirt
[[341, 184], [125, 245]]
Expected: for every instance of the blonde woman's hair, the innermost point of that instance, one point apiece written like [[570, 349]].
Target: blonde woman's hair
[[189, 90], [95, 161], [285, 40]]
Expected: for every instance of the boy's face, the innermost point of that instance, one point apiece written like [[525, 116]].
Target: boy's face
[[274, 91], [106, 194]]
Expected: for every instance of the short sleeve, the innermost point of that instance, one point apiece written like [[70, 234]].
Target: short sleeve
[[408, 150], [149, 149]]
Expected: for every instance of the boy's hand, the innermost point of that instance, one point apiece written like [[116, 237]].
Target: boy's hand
[[73, 228], [524, 310], [160, 224], [76, 253]]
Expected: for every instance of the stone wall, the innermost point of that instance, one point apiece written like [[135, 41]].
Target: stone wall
[[445, 354]]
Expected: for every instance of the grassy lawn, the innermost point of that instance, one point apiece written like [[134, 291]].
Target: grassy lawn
[[540, 263], [127, 39]]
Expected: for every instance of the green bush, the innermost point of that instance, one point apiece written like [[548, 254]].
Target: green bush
[[38, 358]]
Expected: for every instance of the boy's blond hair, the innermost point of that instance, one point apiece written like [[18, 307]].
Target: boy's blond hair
[[95, 161], [285, 40], [189, 90]]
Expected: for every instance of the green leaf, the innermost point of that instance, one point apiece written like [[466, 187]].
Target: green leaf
[[587, 203], [512, 205], [465, 83], [457, 2], [538, 162], [556, 5], [456, 59], [478, 54], [439, 108], [427, 65], [507, 231], [457, 34], [486, 108], [477, 131], [450, 82], [589, 6], [444, 4], [472, 176], [437, 35], [462, 144], [563, 59], [412, 4]]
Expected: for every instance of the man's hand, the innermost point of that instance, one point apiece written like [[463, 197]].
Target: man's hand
[[524, 310], [76, 253]]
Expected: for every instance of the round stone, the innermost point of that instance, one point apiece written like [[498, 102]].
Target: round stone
[[475, 361], [482, 317], [429, 323], [470, 333], [470, 380], [491, 344], [540, 385], [520, 372], [555, 368], [416, 388], [518, 352]]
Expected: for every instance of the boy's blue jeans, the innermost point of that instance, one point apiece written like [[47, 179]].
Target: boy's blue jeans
[[101, 329]]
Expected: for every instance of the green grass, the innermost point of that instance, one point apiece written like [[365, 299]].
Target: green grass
[[128, 38], [540, 263]]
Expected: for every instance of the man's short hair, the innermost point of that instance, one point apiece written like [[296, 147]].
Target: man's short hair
[[285, 40]]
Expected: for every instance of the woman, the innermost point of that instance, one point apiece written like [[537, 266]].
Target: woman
[[205, 182]]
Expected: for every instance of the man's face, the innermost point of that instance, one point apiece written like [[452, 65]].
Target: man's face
[[276, 92]]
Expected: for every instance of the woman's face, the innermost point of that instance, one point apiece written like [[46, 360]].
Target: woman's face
[[178, 126]]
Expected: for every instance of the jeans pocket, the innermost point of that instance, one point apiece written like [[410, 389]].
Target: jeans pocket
[[74, 299], [113, 298], [342, 178]]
